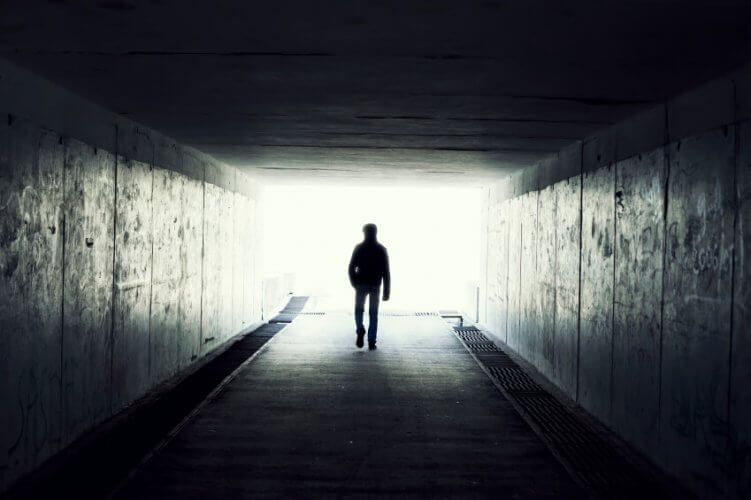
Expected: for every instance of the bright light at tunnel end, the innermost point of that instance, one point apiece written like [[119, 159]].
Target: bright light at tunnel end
[[432, 235]]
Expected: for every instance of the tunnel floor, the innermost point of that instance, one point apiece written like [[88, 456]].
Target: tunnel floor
[[312, 415]]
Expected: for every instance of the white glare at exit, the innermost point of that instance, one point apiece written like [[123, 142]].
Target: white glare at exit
[[432, 236]]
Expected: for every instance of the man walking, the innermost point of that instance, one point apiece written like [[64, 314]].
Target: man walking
[[368, 266]]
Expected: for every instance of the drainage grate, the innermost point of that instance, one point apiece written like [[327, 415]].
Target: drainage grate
[[556, 419], [295, 305], [471, 335], [513, 379], [482, 347], [269, 329], [590, 458], [290, 311], [283, 318]]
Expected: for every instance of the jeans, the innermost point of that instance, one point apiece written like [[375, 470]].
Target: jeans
[[362, 291]]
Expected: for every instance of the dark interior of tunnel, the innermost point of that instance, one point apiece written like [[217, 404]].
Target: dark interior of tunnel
[[564, 185]]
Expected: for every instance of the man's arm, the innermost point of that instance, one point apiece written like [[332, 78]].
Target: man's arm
[[352, 266], [386, 276]]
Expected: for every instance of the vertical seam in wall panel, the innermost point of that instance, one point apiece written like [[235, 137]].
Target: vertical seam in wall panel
[[243, 265], [615, 260], [114, 272], [252, 247], [736, 209], [63, 236], [579, 299], [487, 252], [521, 256], [233, 327], [488, 213], [151, 264], [615, 256], [182, 259], [231, 207], [666, 159], [508, 269], [537, 226], [253, 236], [203, 239], [555, 277], [536, 315]]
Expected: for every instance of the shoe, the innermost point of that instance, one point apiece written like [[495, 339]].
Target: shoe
[[372, 346], [360, 335]]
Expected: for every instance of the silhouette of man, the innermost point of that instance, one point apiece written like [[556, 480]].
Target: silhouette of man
[[367, 267]]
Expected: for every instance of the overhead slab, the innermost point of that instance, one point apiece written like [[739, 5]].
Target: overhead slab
[[447, 91]]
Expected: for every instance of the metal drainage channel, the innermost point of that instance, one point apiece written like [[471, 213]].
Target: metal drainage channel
[[592, 460], [405, 314], [290, 311]]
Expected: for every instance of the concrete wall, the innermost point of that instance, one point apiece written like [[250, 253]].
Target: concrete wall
[[276, 290], [618, 268], [124, 258]]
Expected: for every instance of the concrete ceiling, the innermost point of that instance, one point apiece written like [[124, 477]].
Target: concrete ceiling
[[450, 90]]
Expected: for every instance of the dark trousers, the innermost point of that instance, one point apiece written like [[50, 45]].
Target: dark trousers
[[374, 292]]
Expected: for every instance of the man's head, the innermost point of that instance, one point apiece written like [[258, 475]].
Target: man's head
[[370, 231]]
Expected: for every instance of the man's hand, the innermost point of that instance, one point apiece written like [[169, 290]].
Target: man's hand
[[385, 297]]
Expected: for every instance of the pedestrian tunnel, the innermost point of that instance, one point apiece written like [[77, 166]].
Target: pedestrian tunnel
[[563, 192]]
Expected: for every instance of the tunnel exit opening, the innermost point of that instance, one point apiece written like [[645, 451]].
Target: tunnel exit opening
[[432, 235]]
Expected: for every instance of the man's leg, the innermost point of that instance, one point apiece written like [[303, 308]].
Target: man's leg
[[373, 302], [360, 294]]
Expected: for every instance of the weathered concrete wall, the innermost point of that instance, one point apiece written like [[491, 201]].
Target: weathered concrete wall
[[637, 322], [212, 287], [697, 298], [238, 263], [276, 290], [596, 326], [485, 281], [638, 263], [497, 272], [567, 255], [191, 264], [31, 295], [131, 337], [740, 367], [89, 249], [109, 260], [258, 257], [226, 265], [528, 322], [166, 280], [245, 215], [547, 232], [513, 324]]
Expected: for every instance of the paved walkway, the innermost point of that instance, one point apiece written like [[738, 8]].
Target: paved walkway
[[313, 416]]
